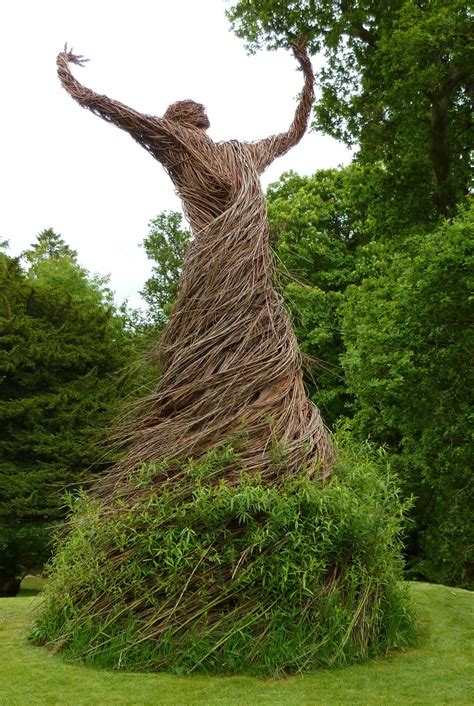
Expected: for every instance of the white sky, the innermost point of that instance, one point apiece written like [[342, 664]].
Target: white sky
[[64, 168]]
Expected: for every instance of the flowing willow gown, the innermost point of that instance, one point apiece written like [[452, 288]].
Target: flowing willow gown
[[229, 358]]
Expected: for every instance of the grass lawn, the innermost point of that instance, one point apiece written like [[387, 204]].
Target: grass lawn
[[437, 672]]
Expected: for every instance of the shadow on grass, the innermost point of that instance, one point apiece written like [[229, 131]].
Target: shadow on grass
[[31, 586]]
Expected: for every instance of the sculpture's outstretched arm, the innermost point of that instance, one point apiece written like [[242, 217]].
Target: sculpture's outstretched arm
[[265, 151], [146, 129]]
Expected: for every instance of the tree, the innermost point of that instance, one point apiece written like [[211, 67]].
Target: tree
[[316, 231], [408, 342], [49, 246], [397, 81], [165, 245], [62, 347], [50, 262], [326, 231]]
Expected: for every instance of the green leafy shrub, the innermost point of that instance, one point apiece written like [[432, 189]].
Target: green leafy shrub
[[408, 347], [205, 576]]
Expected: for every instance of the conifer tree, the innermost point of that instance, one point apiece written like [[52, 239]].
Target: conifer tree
[[62, 347]]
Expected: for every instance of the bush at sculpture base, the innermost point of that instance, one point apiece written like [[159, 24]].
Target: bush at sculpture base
[[211, 577]]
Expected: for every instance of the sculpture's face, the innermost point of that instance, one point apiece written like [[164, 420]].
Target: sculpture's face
[[202, 120], [188, 112]]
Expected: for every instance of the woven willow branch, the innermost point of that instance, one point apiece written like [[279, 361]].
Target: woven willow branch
[[229, 358]]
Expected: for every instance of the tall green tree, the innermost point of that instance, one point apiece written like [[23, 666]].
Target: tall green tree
[[50, 262], [48, 246], [327, 234], [409, 344], [165, 245], [397, 81], [316, 230], [62, 347]]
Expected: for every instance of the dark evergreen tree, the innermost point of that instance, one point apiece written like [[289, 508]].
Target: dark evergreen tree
[[62, 348]]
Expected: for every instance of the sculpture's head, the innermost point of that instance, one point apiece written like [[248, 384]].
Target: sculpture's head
[[188, 112]]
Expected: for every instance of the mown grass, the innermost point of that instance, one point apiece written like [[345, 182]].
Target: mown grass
[[437, 672]]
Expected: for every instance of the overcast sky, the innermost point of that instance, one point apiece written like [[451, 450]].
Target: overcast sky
[[64, 168]]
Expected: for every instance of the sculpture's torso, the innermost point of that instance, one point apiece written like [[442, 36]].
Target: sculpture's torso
[[230, 361], [208, 175]]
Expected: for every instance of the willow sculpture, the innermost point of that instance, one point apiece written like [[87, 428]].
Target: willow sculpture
[[229, 358], [211, 545]]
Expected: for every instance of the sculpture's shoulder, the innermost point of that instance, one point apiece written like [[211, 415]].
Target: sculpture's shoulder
[[238, 151], [234, 146], [185, 142]]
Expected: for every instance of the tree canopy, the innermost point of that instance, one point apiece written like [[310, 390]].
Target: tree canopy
[[397, 81], [385, 296], [62, 348], [408, 341], [165, 245]]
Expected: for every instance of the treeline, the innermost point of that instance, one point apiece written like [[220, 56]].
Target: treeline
[[387, 325], [374, 260]]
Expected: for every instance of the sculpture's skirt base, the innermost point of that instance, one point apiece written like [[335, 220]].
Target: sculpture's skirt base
[[233, 579]]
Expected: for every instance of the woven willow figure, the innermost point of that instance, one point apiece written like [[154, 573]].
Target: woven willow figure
[[229, 358]]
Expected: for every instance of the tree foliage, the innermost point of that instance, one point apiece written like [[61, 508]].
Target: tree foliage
[[315, 232], [408, 342], [49, 246], [51, 264], [165, 245], [62, 346], [397, 81]]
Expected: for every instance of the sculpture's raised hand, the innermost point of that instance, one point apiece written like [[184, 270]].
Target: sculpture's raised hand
[[265, 151], [148, 130], [71, 58]]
